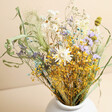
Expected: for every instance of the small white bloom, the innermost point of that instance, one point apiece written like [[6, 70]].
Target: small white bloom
[[62, 55], [52, 13], [44, 26], [43, 18], [55, 27]]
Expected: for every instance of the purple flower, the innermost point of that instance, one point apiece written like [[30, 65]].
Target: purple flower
[[96, 35], [53, 50], [40, 55], [63, 33], [91, 34], [22, 47], [81, 47], [20, 53], [88, 40], [84, 48], [96, 41], [34, 55], [95, 56]]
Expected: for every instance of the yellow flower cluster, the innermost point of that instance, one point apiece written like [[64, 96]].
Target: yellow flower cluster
[[72, 78], [36, 72], [76, 75]]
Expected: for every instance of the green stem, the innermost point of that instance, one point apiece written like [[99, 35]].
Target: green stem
[[3, 54], [19, 14], [108, 37]]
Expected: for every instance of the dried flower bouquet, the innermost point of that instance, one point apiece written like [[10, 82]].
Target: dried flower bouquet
[[64, 55]]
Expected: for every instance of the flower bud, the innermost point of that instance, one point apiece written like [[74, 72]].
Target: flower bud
[[98, 21]]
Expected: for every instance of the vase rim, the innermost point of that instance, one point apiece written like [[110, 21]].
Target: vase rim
[[66, 107]]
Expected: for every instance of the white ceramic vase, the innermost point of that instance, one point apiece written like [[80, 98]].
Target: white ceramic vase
[[56, 106]]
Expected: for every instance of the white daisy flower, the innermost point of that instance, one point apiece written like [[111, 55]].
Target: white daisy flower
[[62, 55]]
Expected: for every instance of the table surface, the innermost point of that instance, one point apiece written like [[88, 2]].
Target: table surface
[[35, 98]]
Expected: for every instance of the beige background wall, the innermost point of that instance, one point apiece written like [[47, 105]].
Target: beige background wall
[[12, 77]]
